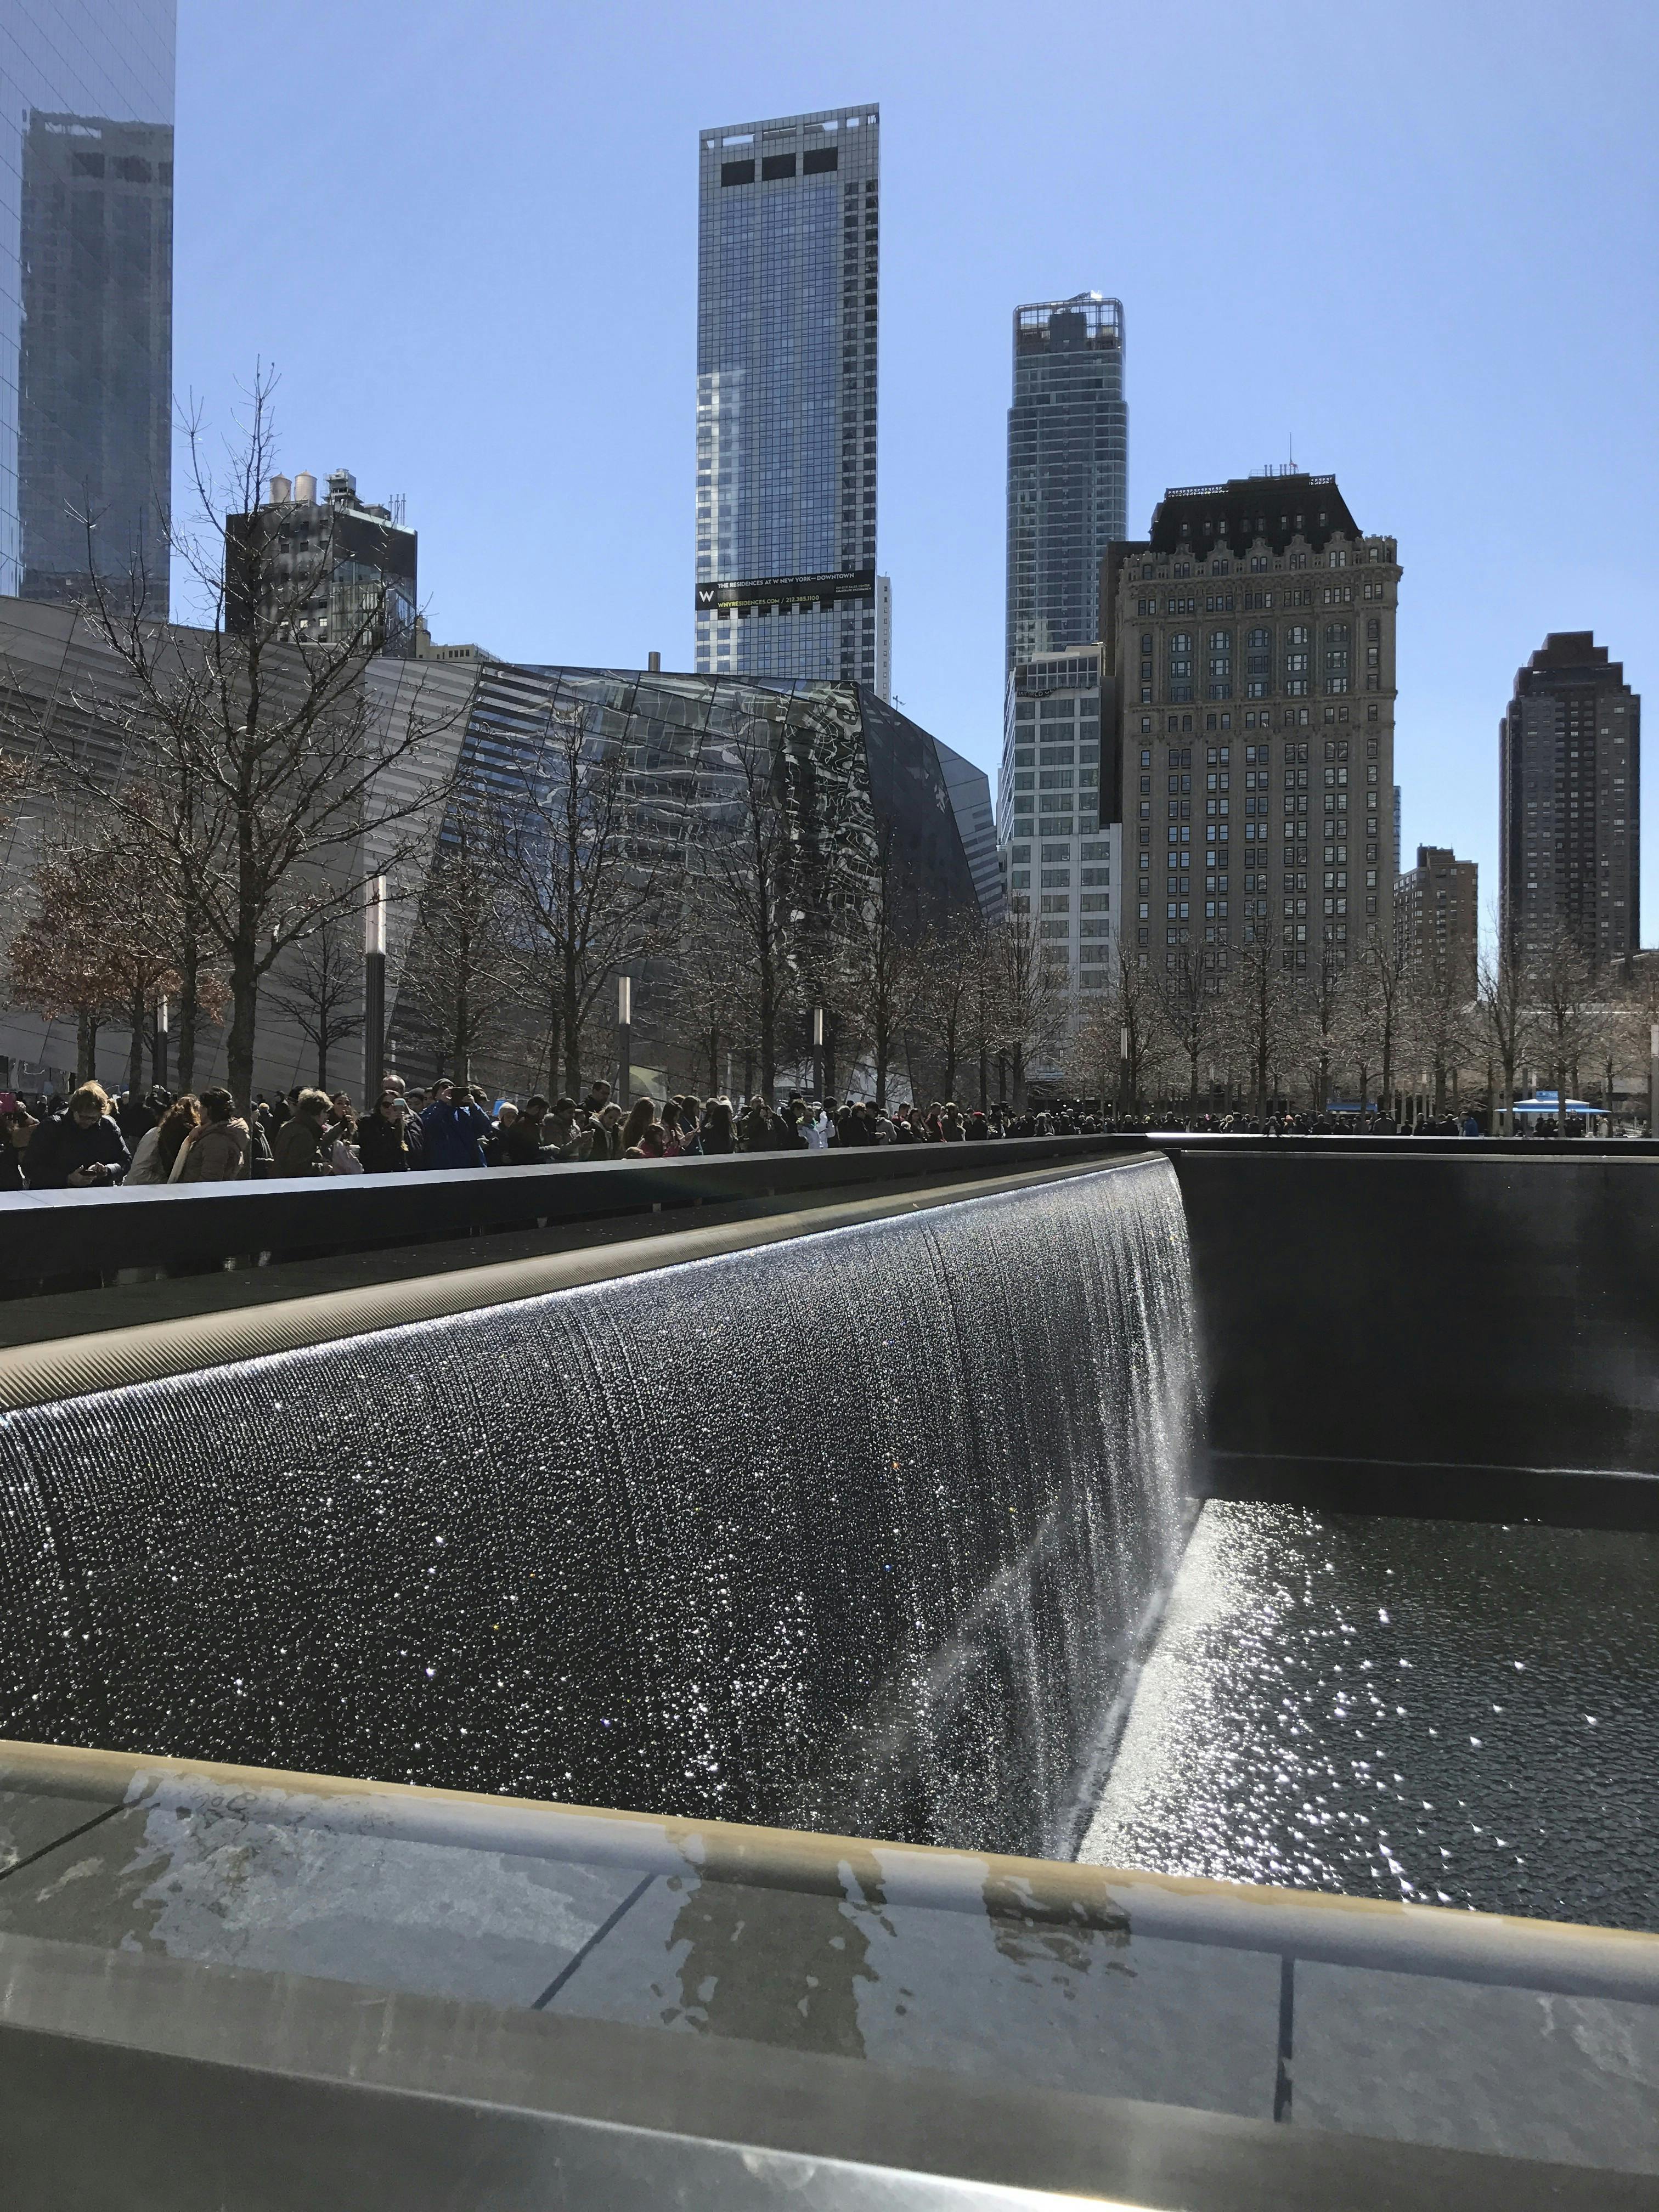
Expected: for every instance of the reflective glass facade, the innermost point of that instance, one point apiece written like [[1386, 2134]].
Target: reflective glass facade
[[788, 244], [86, 291], [1068, 444], [848, 769]]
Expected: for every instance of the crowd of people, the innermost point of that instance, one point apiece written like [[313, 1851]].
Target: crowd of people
[[91, 1141]]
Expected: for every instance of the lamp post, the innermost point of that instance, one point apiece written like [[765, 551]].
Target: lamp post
[[1124, 1100], [373, 994], [817, 1052], [158, 1065], [624, 1037], [1653, 1080]]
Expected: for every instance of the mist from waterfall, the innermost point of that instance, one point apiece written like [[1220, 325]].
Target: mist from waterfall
[[853, 1532]]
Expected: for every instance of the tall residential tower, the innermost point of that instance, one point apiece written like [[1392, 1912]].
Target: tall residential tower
[[1068, 442], [86, 296], [1437, 915], [788, 236], [1571, 792]]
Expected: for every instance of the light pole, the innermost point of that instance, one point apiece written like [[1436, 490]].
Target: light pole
[[1124, 1101], [624, 1037], [158, 1067], [817, 1052], [373, 994], [1653, 1080]]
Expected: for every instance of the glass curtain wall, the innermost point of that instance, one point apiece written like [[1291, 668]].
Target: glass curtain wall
[[788, 302], [1068, 437], [86, 294]]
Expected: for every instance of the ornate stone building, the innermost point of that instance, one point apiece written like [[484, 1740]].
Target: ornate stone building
[[1251, 715]]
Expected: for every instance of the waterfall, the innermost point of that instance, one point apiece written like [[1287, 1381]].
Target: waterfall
[[852, 1532]]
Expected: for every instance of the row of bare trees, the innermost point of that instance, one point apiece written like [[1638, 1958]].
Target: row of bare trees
[[1376, 1027]]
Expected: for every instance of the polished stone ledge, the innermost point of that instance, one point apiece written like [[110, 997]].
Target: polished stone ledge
[[1279, 2012]]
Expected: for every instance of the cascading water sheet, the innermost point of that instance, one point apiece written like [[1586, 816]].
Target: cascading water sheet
[[852, 1532]]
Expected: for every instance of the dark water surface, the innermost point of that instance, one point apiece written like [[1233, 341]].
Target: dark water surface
[[1445, 1711]]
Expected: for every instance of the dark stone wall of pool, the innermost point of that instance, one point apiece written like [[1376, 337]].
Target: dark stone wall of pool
[[1468, 1334]]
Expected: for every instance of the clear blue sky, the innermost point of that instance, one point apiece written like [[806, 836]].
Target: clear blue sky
[[1420, 239]]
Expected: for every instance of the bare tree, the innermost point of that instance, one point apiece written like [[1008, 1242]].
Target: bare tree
[[1186, 1011], [320, 989], [1378, 1013], [16, 776], [1561, 988], [459, 988], [1033, 999], [587, 875], [1325, 1021], [1633, 1016], [1504, 1018], [950, 962], [748, 857], [1260, 1009], [64, 962], [256, 773], [1137, 1011], [100, 942], [708, 1009], [983, 1009], [1091, 1062], [882, 934], [1437, 1017]]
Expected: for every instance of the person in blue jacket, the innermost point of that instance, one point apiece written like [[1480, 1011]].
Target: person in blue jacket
[[453, 1129]]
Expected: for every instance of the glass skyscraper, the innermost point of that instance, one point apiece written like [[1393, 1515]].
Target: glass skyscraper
[[86, 293], [788, 235], [1068, 444]]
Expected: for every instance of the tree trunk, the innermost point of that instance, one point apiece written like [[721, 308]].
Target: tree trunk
[[322, 1051], [244, 1013], [984, 1077], [463, 1041], [571, 1023], [768, 1043], [86, 1048], [190, 964], [714, 1060], [136, 1045]]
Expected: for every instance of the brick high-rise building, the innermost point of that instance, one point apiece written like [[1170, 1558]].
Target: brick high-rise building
[[1437, 914], [1571, 792], [1250, 723]]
